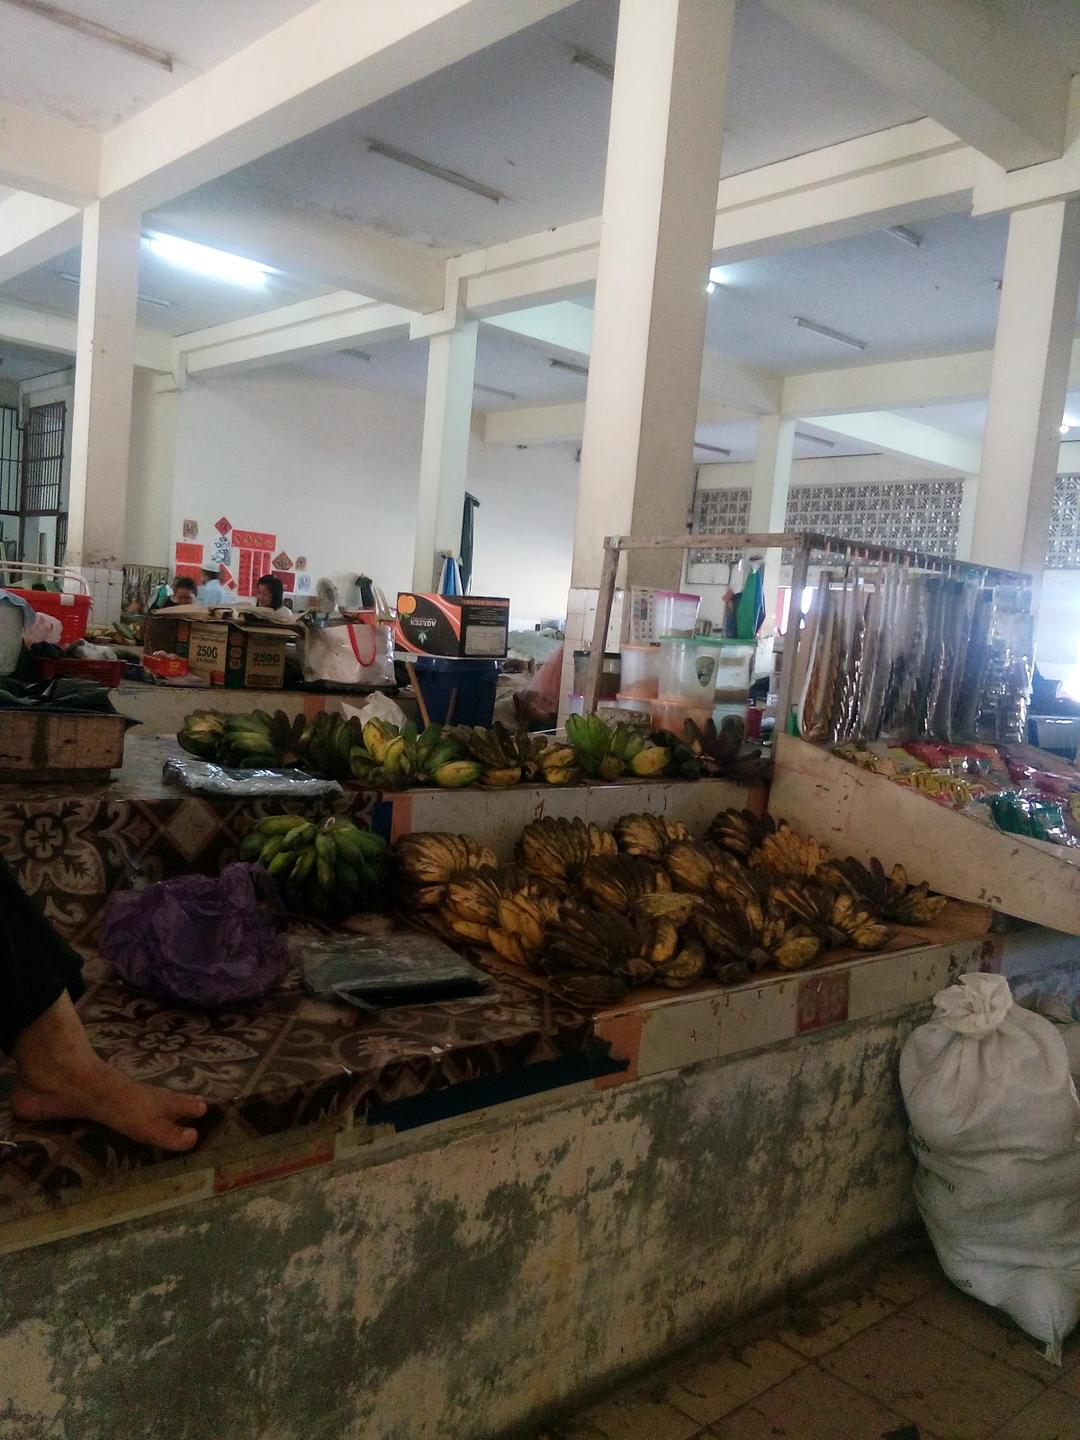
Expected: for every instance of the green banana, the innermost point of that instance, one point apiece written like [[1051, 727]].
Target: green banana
[[278, 824], [298, 837]]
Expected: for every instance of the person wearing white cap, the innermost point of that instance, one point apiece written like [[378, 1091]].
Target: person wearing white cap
[[212, 592]]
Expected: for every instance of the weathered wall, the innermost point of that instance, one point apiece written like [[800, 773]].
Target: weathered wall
[[452, 1283]]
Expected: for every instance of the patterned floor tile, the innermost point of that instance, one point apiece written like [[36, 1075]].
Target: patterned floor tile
[[635, 1416], [823, 1319], [989, 1330], [1055, 1415], [714, 1387], [810, 1405]]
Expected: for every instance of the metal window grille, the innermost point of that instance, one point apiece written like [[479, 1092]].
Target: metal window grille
[[10, 460], [43, 458], [910, 515]]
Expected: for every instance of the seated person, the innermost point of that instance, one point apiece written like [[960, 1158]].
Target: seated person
[[57, 1074], [184, 592], [270, 595]]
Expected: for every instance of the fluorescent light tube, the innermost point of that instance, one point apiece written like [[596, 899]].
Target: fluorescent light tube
[[592, 62], [494, 390], [712, 449], [569, 365], [908, 237], [205, 260], [452, 177], [815, 439], [829, 333]]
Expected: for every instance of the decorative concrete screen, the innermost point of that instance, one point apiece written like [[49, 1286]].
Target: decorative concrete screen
[[1064, 551], [913, 515]]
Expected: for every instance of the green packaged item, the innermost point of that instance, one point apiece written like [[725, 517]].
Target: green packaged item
[[1035, 817]]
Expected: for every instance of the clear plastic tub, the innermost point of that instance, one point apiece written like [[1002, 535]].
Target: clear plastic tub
[[672, 715], [735, 670], [689, 668], [640, 675], [674, 613]]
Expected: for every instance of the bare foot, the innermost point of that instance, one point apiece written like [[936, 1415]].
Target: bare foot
[[141, 1112], [59, 1077]]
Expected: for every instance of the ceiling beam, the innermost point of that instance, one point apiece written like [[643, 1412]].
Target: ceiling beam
[[47, 330], [563, 329], [332, 59], [549, 424], [47, 156], [310, 243], [997, 189], [34, 230], [963, 62], [291, 332], [896, 435], [894, 176]]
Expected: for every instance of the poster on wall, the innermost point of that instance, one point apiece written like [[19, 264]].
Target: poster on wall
[[191, 529], [281, 561], [252, 559], [287, 578], [187, 561], [304, 585]]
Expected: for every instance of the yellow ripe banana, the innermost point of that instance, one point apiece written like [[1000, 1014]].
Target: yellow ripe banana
[[653, 760], [501, 779]]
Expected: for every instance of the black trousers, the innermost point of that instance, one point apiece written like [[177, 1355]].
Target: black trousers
[[36, 965]]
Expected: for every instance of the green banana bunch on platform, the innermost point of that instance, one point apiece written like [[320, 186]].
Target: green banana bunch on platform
[[330, 867], [254, 739], [605, 752], [505, 757]]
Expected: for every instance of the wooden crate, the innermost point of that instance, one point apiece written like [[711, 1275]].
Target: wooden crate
[[47, 746], [855, 812]]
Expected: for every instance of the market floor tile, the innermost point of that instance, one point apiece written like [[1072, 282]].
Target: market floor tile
[[894, 1352]]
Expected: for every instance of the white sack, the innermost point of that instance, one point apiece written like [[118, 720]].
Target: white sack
[[995, 1125]]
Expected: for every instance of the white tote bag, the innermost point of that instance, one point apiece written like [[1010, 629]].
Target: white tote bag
[[995, 1124]]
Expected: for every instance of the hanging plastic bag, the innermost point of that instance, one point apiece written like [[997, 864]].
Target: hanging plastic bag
[[206, 941], [995, 1124]]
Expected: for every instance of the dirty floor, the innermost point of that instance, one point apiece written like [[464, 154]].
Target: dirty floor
[[894, 1352]]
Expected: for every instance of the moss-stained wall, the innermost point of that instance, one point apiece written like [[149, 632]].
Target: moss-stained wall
[[458, 1283]]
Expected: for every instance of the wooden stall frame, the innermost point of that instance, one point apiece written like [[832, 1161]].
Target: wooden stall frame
[[804, 545]]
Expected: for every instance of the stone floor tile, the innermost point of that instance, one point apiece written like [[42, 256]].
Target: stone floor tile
[[638, 1416], [904, 1279], [810, 1405], [822, 1319], [734, 1374], [1055, 1415], [949, 1388], [989, 1330]]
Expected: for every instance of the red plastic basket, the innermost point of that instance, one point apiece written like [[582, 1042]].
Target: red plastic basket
[[104, 672], [73, 611]]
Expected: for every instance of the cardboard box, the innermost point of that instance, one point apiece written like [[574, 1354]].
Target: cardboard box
[[240, 657], [164, 631], [475, 626]]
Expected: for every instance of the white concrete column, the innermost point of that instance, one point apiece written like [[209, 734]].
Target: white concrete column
[[151, 527], [1036, 321], [444, 458], [769, 497], [660, 187], [104, 375]]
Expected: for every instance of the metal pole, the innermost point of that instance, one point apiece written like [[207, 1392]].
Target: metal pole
[[604, 599]]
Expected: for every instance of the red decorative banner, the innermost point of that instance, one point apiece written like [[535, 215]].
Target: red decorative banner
[[254, 540], [288, 580], [223, 525], [187, 554]]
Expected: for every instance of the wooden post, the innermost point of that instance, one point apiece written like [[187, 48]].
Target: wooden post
[[604, 599], [785, 698]]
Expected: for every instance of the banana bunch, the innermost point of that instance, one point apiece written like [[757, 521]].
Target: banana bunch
[[326, 746], [556, 850], [715, 750], [429, 859], [505, 910], [394, 756], [202, 733], [693, 865], [557, 765], [255, 740], [740, 832], [887, 896], [648, 835], [504, 757], [788, 855], [614, 882], [606, 752], [330, 868], [740, 941]]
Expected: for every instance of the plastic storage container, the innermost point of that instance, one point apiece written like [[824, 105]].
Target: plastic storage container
[[640, 675], [73, 611], [674, 613], [735, 670], [689, 668], [457, 692], [610, 671], [673, 714]]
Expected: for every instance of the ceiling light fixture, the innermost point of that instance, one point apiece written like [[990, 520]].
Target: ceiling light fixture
[[712, 449], [93, 31], [569, 365], [142, 299], [1067, 424], [357, 354], [815, 439], [588, 61], [829, 333], [427, 167], [205, 260], [494, 390], [901, 232]]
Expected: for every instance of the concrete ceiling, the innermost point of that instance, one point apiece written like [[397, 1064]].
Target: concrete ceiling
[[50, 68], [19, 362], [969, 419], [522, 118], [194, 302], [900, 300]]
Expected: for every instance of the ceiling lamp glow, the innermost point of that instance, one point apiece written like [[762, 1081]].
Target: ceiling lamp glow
[[205, 260], [1067, 424], [829, 333]]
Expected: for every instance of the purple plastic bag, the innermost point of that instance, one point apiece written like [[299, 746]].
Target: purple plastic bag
[[198, 940]]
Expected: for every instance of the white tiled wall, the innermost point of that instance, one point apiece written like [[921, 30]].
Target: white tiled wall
[[106, 592]]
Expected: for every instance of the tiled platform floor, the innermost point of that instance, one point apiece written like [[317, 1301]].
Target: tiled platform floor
[[894, 1352]]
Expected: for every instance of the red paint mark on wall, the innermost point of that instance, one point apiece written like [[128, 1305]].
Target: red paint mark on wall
[[822, 1000]]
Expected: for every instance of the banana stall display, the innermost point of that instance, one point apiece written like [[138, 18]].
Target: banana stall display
[[597, 912], [330, 867]]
